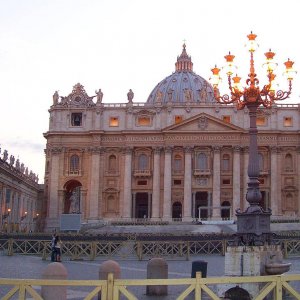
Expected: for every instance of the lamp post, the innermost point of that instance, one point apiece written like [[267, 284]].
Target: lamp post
[[24, 216], [6, 215], [253, 225]]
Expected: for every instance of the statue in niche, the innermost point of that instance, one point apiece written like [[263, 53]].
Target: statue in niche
[[55, 98], [130, 96], [11, 160], [99, 94], [170, 95], [159, 96], [5, 155], [203, 93], [187, 95], [74, 203]]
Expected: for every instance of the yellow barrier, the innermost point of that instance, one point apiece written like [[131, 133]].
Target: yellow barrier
[[112, 289]]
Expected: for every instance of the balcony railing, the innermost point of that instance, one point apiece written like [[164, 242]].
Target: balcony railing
[[202, 172], [142, 173]]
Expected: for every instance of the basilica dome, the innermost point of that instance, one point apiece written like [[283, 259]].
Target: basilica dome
[[183, 85]]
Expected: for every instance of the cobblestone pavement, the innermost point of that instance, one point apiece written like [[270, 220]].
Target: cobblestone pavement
[[20, 266]]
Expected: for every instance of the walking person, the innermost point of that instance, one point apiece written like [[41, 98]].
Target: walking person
[[53, 250], [58, 245]]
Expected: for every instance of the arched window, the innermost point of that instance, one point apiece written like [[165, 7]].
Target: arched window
[[260, 162], [225, 162], [143, 162], [202, 161], [288, 162], [177, 162], [74, 163], [112, 163]]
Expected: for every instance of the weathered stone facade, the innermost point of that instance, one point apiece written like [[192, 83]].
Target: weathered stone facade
[[21, 197], [180, 155]]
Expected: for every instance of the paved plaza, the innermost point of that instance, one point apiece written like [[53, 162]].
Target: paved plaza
[[21, 266]]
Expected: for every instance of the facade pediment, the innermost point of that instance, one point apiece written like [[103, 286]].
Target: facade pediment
[[203, 122]]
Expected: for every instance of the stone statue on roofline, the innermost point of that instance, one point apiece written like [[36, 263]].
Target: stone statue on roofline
[[55, 98], [5, 155], [11, 160], [130, 96], [99, 94]]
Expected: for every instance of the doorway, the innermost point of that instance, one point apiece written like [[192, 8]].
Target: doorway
[[141, 206], [201, 200]]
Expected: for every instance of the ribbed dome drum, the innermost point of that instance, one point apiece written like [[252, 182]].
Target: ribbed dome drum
[[183, 85]]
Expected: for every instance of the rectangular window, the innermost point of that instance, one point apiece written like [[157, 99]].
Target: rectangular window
[[227, 119], [177, 182], [226, 181], [114, 121], [261, 121], [178, 119], [76, 119], [142, 182], [144, 121], [287, 121]]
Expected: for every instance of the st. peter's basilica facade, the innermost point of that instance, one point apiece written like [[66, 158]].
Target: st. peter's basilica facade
[[178, 156]]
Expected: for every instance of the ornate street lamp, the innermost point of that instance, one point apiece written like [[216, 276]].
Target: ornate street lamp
[[5, 216], [253, 225], [24, 216]]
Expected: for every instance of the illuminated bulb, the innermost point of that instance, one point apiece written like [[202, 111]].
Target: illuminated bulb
[[236, 83], [215, 79], [251, 44], [270, 65], [289, 71], [229, 67]]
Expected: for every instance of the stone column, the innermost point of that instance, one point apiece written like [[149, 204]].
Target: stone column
[[236, 185], [298, 175], [94, 184], [83, 204], [127, 184], [167, 184], [275, 194], [133, 215], [245, 203], [278, 209], [101, 183], [187, 184], [52, 220], [216, 183], [156, 183], [61, 201]]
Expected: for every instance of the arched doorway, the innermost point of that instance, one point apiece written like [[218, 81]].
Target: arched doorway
[[141, 206], [225, 211], [201, 200], [72, 202], [176, 210]]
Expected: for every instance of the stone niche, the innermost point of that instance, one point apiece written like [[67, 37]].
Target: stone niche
[[249, 261]]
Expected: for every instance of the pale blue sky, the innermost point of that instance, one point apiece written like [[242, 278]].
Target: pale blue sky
[[115, 45]]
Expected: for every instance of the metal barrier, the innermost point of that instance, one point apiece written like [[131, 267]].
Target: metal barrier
[[112, 289], [131, 248]]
